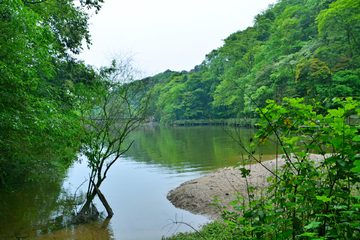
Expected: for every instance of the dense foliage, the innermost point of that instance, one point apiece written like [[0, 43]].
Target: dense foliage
[[306, 198], [39, 126], [297, 69], [308, 49], [296, 48], [54, 106]]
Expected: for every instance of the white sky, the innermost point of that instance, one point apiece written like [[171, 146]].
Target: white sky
[[166, 34]]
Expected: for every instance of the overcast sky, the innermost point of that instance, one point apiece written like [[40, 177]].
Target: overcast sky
[[166, 34]]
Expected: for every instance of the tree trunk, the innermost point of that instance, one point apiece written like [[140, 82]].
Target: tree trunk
[[103, 200], [87, 213]]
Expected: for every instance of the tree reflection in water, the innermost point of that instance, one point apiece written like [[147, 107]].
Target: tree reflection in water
[[44, 212]]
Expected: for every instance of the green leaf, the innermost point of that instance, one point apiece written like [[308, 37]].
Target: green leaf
[[324, 198], [230, 223], [244, 172], [249, 228], [357, 168], [217, 200], [307, 234], [312, 225], [261, 214], [356, 138], [288, 233]]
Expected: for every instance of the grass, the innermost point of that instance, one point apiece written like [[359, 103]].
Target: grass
[[210, 231]]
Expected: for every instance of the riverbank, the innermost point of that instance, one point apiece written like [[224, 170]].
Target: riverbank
[[197, 195], [238, 122]]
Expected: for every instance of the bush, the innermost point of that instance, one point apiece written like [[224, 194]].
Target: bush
[[306, 199], [211, 231]]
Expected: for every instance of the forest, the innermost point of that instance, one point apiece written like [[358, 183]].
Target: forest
[[40, 128], [296, 48], [297, 70]]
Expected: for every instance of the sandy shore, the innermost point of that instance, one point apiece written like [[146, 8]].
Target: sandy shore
[[197, 195]]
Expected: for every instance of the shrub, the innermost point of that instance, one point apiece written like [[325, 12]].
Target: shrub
[[306, 199]]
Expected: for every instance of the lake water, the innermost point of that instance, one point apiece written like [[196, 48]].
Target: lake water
[[160, 159]]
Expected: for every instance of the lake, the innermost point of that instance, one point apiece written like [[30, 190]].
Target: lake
[[160, 159]]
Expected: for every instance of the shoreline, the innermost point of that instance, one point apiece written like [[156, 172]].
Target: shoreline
[[197, 195]]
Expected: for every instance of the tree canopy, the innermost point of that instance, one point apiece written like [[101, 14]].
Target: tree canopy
[[39, 72], [296, 48]]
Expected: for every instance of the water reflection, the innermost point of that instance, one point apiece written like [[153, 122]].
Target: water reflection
[[160, 159], [35, 210], [136, 192], [198, 148]]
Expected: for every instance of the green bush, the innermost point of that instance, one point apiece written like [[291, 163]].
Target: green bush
[[306, 199], [211, 231]]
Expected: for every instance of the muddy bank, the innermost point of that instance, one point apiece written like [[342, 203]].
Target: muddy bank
[[197, 195]]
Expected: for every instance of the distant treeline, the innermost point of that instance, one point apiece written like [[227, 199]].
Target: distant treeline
[[296, 48], [238, 122]]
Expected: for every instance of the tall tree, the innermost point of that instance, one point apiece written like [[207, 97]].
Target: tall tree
[[121, 104], [339, 25], [36, 130]]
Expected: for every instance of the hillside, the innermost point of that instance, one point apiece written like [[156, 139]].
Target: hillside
[[296, 48]]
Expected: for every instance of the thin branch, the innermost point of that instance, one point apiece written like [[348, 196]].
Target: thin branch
[[269, 122], [249, 153], [112, 162], [25, 1], [77, 190], [173, 223]]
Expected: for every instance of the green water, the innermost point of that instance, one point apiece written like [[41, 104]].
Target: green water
[[160, 159], [198, 148]]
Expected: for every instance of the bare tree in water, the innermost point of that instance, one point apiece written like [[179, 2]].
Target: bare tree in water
[[121, 104]]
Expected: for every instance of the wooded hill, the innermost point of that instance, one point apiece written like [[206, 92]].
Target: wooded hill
[[296, 48]]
